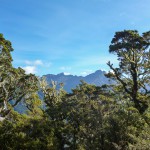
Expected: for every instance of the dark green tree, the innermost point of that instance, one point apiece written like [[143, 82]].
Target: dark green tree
[[31, 131], [78, 119], [133, 73]]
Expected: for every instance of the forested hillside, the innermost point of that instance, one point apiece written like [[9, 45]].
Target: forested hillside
[[106, 117]]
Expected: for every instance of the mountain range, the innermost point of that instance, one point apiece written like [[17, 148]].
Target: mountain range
[[70, 81]]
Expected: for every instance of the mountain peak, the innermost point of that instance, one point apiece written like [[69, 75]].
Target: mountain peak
[[61, 74], [70, 81]]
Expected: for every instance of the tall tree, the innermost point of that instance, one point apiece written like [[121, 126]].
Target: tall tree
[[15, 85], [133, 73]]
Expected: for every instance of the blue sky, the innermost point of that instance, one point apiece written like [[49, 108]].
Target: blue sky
[[71, 36]]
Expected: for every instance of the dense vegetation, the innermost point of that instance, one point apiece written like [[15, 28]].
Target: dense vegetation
[[110, 117]]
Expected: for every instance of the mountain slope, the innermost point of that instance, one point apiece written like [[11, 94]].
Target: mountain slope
[[71, 81]]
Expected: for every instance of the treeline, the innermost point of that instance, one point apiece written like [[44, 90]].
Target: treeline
[[110, 117]]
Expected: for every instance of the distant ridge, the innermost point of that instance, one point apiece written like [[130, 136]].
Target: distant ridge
[[71, 81]]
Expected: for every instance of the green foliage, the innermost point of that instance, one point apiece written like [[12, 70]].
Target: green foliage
[[25, 132], [110, 117], [15, 85], [133, 73]]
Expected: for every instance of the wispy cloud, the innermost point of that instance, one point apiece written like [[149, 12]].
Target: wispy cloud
[[95, 60], [36, 62], [65, 68]]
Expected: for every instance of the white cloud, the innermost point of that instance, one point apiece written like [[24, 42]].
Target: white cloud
[[36, 62], [67, 73], [35, 65], [30, 69]]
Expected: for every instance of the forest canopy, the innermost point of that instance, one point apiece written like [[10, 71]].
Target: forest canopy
[[107, 117]]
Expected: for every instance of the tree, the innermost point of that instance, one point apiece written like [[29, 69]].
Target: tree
[[26, 131], [78, 119], [15, 85], [133, 73]]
